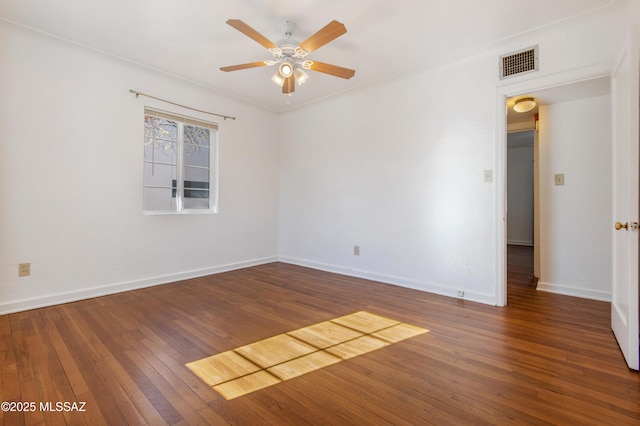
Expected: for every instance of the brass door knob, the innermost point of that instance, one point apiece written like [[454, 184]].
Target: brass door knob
[[620, 226]]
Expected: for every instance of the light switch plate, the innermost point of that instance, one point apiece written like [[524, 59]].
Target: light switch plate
[[558, 179]]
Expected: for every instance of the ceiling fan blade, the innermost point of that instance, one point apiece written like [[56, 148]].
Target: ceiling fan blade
[[243, 66], [329, 32], [251, 33], [333, 70], [289, 85]]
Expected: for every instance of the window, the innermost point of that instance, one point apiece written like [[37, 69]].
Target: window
[[180, 155]]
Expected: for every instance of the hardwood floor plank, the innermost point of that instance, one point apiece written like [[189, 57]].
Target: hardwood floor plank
[[425, 406], [131, 377], [79, 388], [9, 369], [544, 359], [27, 364], [97, 375], [51, 380]]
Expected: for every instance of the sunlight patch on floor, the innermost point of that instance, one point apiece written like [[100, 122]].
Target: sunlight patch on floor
[[270, 361]]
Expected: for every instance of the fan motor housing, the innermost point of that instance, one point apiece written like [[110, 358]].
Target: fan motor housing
[[287, 45]]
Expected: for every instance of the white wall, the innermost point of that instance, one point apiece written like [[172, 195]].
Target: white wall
[[397, 168], [520, 188], [575, 219], [71, 163]]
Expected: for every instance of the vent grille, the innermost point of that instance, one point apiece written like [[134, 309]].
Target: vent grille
[[520, 62]]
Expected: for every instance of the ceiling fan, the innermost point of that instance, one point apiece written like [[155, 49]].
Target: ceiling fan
[[289, 55]]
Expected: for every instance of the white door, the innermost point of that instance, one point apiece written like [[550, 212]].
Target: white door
[[626, 113]]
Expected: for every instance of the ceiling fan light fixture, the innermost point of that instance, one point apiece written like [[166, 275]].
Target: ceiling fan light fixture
[[300, 75], [277, 78], [524, 105], [285, 69], [289, 54]]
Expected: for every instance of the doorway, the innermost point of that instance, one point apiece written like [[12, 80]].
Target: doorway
[[521, 238], [564, 226]]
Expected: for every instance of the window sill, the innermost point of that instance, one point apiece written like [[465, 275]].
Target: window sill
[[187, 212]]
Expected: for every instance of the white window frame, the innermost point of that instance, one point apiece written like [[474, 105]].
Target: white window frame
[[213, 164]]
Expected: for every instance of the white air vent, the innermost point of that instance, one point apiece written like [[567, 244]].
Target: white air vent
[[520, 62]]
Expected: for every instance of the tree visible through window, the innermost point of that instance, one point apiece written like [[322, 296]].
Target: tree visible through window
[[178, 154]]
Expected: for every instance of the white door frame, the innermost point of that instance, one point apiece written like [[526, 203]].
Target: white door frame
[[505, 91]]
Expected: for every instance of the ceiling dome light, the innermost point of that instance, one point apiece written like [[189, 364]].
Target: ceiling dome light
[[524, 105]]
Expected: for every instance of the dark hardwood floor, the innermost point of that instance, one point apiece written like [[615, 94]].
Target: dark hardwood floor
[[520, 266], [544, 359]]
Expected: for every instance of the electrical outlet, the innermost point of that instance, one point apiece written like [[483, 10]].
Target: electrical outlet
[[488, 176], [356, 250], [24, 269], [460, 293]]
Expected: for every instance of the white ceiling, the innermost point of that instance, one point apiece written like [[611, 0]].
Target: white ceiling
[[189, 38]]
